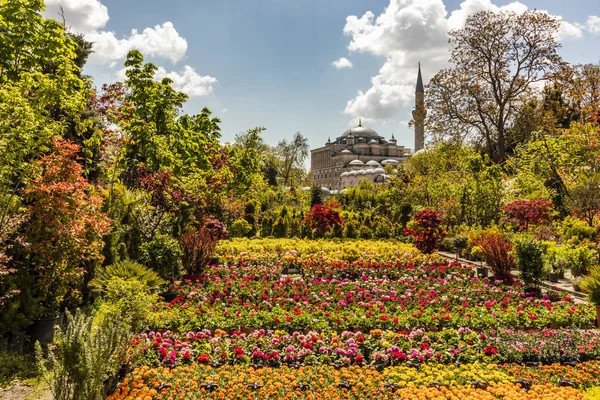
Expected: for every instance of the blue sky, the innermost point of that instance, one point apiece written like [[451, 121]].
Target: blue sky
[[272, 59]]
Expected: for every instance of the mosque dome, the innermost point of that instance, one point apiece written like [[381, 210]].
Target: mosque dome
[[361, 131], [356, 163], [345, 151], [344, 174], [379, 171], [373, 163], [392, 162]]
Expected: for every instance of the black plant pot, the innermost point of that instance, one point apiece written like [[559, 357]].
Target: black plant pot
[[214, 261], [553, 277], [482, 272], [168, 296], [42, 330]]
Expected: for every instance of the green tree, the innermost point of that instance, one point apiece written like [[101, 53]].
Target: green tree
[[497, 56], [290, 158]]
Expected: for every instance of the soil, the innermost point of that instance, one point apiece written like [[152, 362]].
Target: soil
[[20, 391]]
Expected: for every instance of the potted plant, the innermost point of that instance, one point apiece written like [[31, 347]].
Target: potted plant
[[529, 255], [496, 249], [591, 285]]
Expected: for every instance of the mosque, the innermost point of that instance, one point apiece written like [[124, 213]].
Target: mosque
[[361, 153]]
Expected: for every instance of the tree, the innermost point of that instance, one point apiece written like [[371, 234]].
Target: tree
[[527, 212], [65, 225], [291, 156], [497, 56], [248, 159], [316, 196]]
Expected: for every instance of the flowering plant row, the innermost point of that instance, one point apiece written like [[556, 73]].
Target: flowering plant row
[[380, 348], [323, 382], [429, 294]]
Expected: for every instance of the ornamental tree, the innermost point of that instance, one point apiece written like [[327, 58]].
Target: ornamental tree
[[66, 224], [523, 213], [323, 218], [427, 230]]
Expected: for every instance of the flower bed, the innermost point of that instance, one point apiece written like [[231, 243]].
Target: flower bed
[[325, 382], [398, 294], [377, 327], [379, 348]]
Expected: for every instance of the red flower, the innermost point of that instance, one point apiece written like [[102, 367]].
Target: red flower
[[490, 350], [239, 352], [359, 359], [204, 358]]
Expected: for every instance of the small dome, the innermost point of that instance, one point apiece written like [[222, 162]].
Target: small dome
[[352, 173], [369, 171], [390, 161], [356, 162], [362, 172], [373, 141], [379, 171], [373, 163], [345, 151], [325, 190], [344, 174]]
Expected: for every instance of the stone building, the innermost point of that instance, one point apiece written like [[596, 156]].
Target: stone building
[[361, 153]]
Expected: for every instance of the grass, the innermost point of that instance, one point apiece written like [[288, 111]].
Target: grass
[[18, 366]]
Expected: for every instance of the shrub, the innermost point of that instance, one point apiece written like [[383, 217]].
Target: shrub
[[576, 228], [84, 359], [163, 255], [591, 285], [527, 212], [496, 249], [198, 247], [321, 219], [125, 270], [580, 259], [240, 228], [530, 259], [427, 230]]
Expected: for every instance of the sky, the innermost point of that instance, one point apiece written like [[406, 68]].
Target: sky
[[308, 66]]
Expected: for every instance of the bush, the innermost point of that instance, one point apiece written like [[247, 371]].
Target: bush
[[198, 247], [427, 230], [576, 228], [591, 285], [163, 255], [496, 249], [322, 219], [523, 213], [85, 358], [530, 259], [125, 270], [580, 259], [127, 300], [240, 228]]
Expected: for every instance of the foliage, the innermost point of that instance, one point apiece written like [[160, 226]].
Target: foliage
[[125, 270], [126, 300], [427, 230], [496, 57], [591, 285], [240, 228], [198, 247], [523, 213], [571, 228], [65, 225], [316, 196], [529, 255], [163, 255], [496, 248], [322, 219], [290, 158], [84, 358], [581, 258]]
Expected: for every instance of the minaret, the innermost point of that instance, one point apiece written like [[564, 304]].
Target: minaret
[[419, 113]]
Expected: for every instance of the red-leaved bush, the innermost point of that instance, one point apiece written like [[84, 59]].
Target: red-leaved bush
[[427, 230], [496, 248], [527, 212], [323, 218], [66, 224], [198, 247]]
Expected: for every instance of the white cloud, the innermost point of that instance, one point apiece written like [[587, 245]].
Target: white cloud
[[406, 32], [593, 24], [342, 63], [187, 81], [83, 16], [160, 41]]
